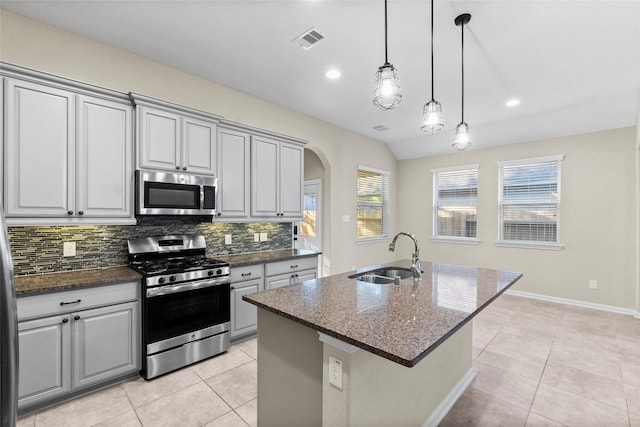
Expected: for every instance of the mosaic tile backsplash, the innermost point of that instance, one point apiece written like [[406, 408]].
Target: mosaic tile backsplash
[[37, 250]]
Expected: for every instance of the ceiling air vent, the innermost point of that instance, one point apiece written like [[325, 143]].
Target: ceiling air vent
[[380, 128], [309, 38]]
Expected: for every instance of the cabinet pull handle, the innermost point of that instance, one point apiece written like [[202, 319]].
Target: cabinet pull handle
[[246, 274], [76, 317], [65, 320], [71, 302], [69, 212], [294, 266]]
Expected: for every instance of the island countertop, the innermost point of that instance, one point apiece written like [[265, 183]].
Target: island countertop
[[402, 323]]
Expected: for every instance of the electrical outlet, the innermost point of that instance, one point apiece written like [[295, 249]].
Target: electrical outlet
[[69, 249], [593, 284], [346, 218], [335, 372], [263, 237], [227, 239]]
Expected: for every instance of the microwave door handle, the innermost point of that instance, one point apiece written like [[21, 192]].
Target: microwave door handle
[[201, 197]]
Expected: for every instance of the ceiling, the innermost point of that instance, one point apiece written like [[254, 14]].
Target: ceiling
[[574, 65]]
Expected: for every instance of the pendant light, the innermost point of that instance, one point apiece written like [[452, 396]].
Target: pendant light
[[387, 92], [432, 120], [462, 140]]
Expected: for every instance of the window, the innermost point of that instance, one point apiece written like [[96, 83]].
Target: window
[[529, 202], [372, 203], [455, 203]]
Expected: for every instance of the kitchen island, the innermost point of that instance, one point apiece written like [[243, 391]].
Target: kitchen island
[[340, 351]]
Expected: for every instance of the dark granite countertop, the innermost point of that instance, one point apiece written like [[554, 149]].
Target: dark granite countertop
[[239, 260], [64, 281], [402, 323]]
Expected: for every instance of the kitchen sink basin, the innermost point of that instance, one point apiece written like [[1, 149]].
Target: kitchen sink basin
[[374, 278], [393, 272]]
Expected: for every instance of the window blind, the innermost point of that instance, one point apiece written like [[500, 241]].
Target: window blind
[[372, 203], [455, 202], [529, 200]]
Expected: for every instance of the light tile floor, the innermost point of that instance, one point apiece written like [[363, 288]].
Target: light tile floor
[[537, 363]]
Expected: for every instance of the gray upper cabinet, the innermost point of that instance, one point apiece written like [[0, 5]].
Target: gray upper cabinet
[[233, 174], [175, 138], [277, 181], [68, 156]]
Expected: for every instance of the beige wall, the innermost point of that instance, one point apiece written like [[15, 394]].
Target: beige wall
[[598, 217], [35, 45]]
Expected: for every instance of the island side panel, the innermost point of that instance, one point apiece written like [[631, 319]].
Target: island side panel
[[378, 392], [289, 373]]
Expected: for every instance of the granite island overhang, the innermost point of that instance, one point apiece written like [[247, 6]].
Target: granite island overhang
[[421, 324]]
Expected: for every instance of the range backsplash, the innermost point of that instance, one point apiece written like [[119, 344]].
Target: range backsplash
[[37, 250]]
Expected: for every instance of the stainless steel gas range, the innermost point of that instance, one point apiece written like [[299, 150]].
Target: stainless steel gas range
[[185, 304]]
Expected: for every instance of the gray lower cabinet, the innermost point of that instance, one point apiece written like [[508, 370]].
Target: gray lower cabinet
[[244, 281], [70, 341], [290, 272]]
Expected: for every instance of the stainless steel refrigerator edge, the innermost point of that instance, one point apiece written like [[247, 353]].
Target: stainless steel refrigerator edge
[[8, 333]]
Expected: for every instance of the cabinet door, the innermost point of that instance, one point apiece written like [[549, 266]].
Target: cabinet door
[[159, 139], [291, 180], [198, 147], [303, 276], [244, 316], [39, 150], [104, 158], [278, 281], [264, 180], [233, 174], [106, 343], [43, 359]]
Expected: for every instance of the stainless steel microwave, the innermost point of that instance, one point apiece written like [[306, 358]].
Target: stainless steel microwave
[[174, 193]]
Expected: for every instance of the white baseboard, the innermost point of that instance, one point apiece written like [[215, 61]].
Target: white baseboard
[[577, 303], [452, 397]]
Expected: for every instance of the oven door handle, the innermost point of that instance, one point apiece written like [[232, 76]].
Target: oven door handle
[[184, 287]]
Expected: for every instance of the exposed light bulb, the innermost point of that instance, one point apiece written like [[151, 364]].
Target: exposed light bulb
[[387, 91], [432, 120], [462, 139]]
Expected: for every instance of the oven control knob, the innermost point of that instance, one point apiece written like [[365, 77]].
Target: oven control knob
[[219, 271], [172, 278], [161, 280]]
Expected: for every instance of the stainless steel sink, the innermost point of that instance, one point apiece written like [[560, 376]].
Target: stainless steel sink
[[394, 272], [375, 278]]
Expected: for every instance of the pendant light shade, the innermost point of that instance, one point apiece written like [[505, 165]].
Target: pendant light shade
[[462, 139], [387, 92], [432, 119]]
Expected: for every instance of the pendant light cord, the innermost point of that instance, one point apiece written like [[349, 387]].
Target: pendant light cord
[[386, 59], [432, 96], [462, 56]]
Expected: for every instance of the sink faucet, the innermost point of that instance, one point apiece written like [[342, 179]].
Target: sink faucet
[[415, 262]]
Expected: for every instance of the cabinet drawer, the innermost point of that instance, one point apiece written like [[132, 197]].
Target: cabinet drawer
[[291, 265], [250, 272], [75, 300]]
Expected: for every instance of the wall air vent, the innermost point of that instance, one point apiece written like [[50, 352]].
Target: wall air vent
[[309, 38], [380, 128]]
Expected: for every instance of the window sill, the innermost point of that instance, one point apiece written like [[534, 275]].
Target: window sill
[[372, 240], [529, 245], [456, 240]]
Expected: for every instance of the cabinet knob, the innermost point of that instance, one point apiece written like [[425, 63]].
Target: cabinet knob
[[76, 317], [184, 168], [177, 167], [80, 212], [219, 214], [65, 320], [69, 212]]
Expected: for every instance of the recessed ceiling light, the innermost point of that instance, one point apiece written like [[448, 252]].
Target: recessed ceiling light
[[512, 102], [333, 74]]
